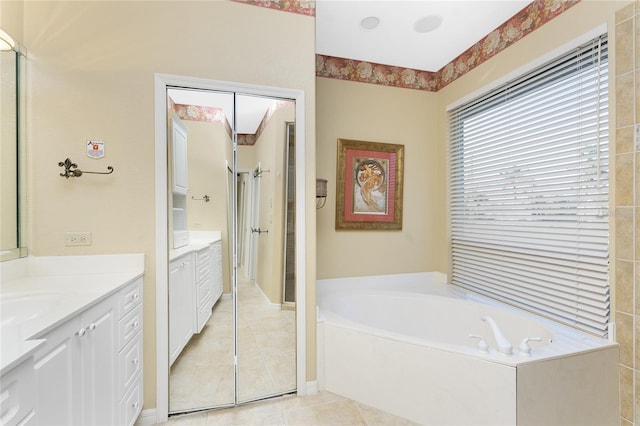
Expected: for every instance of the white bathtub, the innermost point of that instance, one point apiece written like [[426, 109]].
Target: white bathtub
[[401, 343]]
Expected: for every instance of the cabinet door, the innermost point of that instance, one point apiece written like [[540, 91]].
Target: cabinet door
[[99, 364], [182, 304], [217, 270], [179, 154], [188, 288], [57, 376], [175, 296]]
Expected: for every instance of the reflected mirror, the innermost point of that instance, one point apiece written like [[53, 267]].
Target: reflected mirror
[[226, 204], [12, 223]]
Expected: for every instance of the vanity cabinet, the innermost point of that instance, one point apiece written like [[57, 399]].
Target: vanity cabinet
[[179, 156], [181, 304], [129, 358], [97, 337], [75, 358], [17, 390], [195, 285], [217, 270], [204, 287], [179, 182], [78, 371]]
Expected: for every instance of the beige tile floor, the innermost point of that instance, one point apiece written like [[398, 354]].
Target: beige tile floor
[[323, 408], [202, 376]]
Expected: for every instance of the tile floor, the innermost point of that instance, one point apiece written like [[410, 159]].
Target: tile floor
[[202, 376], [323, 408]]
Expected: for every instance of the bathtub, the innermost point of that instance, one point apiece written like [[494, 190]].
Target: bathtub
[[401, 343]]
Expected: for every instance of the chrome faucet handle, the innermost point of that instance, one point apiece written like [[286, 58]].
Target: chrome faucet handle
[[483, 346], [524, 347]]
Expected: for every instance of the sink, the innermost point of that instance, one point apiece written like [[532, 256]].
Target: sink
[[24, 306]]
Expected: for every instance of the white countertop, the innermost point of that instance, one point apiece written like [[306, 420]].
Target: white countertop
[[197, 241], [39, 293]]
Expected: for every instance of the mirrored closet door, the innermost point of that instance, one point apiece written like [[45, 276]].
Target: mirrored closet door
[[231, 338]]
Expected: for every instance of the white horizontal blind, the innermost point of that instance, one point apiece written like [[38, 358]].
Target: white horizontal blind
[[528, 179]]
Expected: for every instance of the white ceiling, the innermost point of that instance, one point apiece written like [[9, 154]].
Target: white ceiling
[[395, 42]]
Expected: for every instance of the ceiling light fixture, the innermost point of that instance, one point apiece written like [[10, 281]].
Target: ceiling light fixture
[[370, 23], [428, 23], [6, 42]]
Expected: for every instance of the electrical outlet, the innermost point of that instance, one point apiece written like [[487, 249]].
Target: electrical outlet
[[77, 238]]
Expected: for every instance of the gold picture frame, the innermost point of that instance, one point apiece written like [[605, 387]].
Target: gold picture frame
[[369, 185]]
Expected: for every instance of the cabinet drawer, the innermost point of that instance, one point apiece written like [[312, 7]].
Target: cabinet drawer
[[204, 255], [129, 326], [204, 312], [205, 289], [17, 394], [131, 404], [130, 364], [203, 264], [129, 297]]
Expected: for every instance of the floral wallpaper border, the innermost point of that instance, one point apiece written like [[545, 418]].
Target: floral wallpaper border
[[302, 7], [532, 17], [214, 114]]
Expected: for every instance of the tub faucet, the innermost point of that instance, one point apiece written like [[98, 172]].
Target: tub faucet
[[504, 346]]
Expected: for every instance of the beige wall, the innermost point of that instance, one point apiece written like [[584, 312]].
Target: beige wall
[[11, 22], [270, 149], [374, 113], [91, 76], [206, 146]]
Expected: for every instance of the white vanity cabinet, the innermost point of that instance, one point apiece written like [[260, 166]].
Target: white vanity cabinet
[[181, 304], [179, 156], [129, 358], [195, 285], [204, 287], [179, 182], [216, 248], [78, 370], [208, 282], [17, 391], [74, 370]]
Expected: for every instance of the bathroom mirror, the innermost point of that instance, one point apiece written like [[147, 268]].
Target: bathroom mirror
[[12, 159], [246, 350]]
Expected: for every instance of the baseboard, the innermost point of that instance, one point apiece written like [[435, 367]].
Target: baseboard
[[147, 417], [311, 387]]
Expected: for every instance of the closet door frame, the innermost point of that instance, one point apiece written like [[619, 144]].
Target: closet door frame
[[162, 82]]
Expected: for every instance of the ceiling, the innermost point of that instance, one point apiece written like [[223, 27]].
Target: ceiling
[[395, 41]]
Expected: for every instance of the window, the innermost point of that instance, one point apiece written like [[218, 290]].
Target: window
[[528, 179]]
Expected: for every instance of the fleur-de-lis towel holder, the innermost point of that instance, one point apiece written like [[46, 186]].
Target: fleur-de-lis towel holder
[[71, 170]]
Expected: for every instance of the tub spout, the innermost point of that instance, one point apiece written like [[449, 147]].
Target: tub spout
[[504, 346]]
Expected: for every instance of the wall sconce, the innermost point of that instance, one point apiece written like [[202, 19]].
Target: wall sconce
[[321, 193], [6, 42]]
